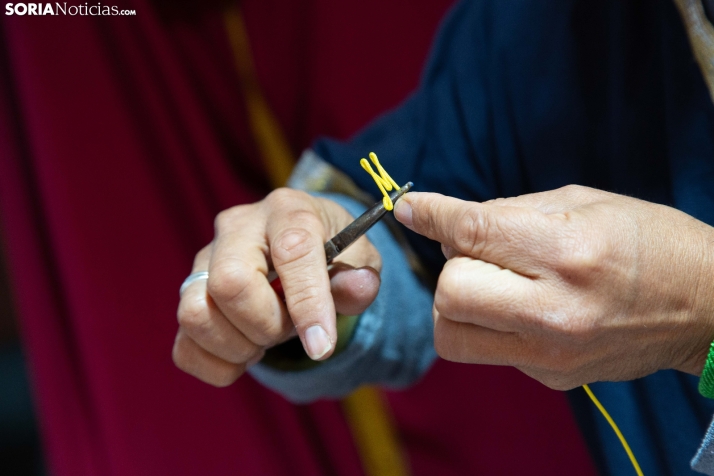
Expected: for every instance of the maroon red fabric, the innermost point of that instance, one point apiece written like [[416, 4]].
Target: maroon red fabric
[[120, 139]]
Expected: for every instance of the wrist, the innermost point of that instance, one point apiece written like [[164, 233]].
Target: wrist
[[702, 310]]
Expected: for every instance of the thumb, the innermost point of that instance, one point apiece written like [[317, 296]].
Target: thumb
[[354, 277], [507, 236], [353, 290]]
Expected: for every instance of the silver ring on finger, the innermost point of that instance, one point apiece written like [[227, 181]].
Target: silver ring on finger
[[192, 278]]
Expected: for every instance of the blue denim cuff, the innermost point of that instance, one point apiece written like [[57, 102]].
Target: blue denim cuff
[[704, 459], [392, 344]]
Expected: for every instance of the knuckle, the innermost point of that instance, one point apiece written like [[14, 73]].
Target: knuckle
[[216, 374], [176, 357], [305, 297], [580, 194], [442, 345], [579, 258], [555, 323], [580, 330], [178, 353], [193, 314], [448, 290], [180, 360], [202, 257], [570, 327], [283, 195], [224, 377], [264, 332], [244, 353], [573, 189], [584, 258], [285, 199], [224, 219], [471, 232], [293, 244], [425, 216], [228, 280], [441, 300], [497, 201], [445, 342]]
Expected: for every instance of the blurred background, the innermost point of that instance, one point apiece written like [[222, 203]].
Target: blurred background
[[20, 451], [121, 137]]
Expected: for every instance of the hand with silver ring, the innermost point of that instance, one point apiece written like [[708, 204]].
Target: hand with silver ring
[[192, 278], [229, 314]]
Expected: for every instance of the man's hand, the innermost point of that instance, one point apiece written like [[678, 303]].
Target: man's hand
[[228, 321], [570, 286]]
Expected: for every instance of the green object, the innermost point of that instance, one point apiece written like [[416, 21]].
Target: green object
[[706, 382]]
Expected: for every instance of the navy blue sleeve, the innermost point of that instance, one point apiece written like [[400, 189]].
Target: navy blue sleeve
[[525, 96]]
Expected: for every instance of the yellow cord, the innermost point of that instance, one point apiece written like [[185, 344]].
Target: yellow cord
[[383, 180], [615, 428]]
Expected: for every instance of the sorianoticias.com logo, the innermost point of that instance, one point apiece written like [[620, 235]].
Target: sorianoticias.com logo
[[61, 9]]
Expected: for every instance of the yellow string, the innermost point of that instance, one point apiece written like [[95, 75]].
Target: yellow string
[[383, 180], [609, 419]]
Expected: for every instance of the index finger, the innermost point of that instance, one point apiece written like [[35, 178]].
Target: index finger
[[296, 237], [513, 237], [237, 284]]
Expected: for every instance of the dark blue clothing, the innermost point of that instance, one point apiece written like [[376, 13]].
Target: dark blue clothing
[[526, 96]]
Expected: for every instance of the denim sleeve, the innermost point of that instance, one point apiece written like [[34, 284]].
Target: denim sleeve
[[704, 459], [392, 344]]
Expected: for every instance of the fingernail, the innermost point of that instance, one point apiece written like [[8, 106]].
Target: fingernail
[[403, 212], [317, 342]]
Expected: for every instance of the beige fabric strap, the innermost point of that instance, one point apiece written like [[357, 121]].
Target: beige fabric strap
[[701, 36]]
